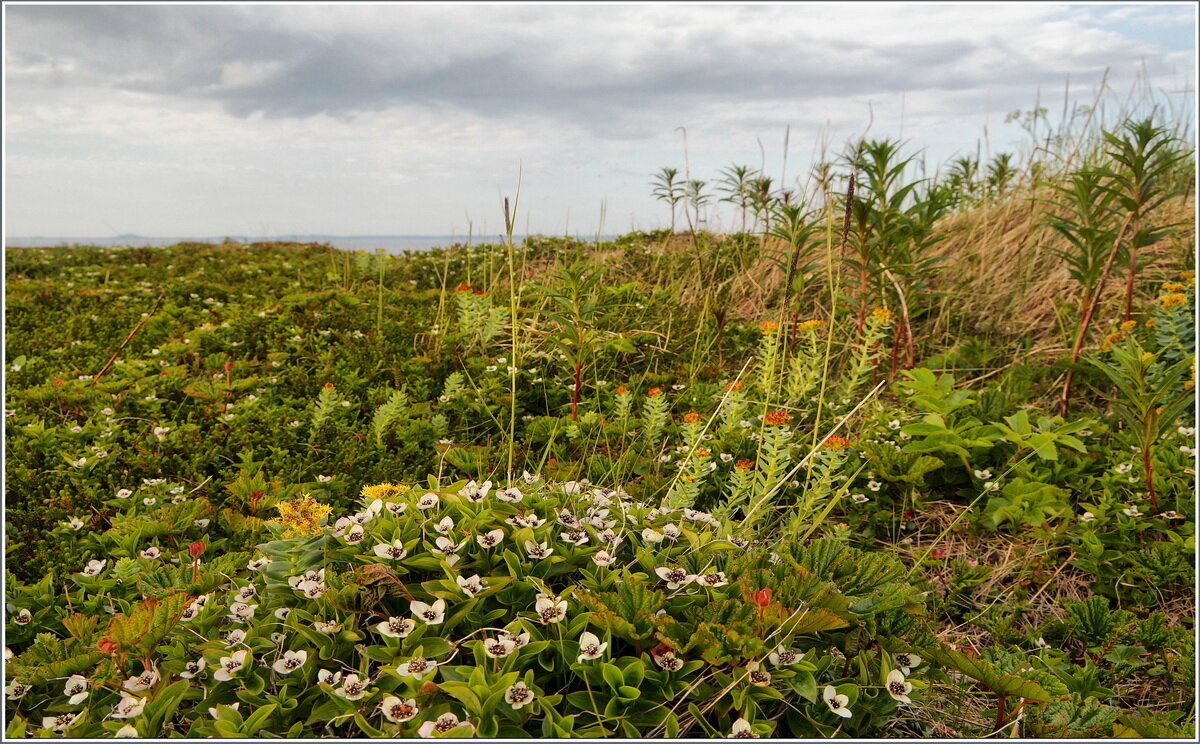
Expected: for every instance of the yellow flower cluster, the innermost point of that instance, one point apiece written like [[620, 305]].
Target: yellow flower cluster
[[1172, 299], [881, 315], [384, 490], [768, 326], [810, 326], [302, 517]]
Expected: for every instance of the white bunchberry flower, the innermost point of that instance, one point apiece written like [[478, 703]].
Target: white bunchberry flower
[[76, 689], [396, 551], [741, 730], [428, 501], [498, 647], [489, 540], [474, 491], [550, 609], [860, 498], [906, 662], [60, 722], [529, 477], [874, 485], [398, 711], [231, 665], [395, 507], [128, 731], [898, 687], [574, 537], [129, 706], [602, 559], [757, 675], [668, 661], [537, 551], [983, 474], [240, 612], [590, 647], [143, 681], [518, 639], [445, 526], [1087, 516], [651, 536], [417, 667], [235, 637], [325, 627], [510, 495], [783, 656], [124, 493], [22, 616], [712, 579], [445, 723], [354, 535], [192, 668], [1132, 511], [290, 661], [324, 676], [531, 521], [352, 688], [74, 523], [518, 696], [94, 567], [16, 690], [430, 614], [396, 627], [675, 577], [470, 586], [837, 703]]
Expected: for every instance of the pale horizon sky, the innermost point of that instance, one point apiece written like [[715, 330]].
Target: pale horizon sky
[[416, 119]]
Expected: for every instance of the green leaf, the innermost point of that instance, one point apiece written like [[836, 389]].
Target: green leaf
[[987, 675]]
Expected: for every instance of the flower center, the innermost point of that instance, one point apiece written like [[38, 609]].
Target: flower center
[[591, 650], [676, 575], [896, 687], [786, 657], [835, 704], [445, 724], [549, 614], [416, 666], [518, 695], [759, 677], [429, 615], [403, 710]]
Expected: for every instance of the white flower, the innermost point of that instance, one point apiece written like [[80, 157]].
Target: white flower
[[235, 637], [354, 535], [475, 492], [74, 523], [396, 507], [282, 613], [511, 495], [128, 706], [22, 616], [161, 432], [325, 627], [445, 722], [668, 661], [76, 689], [898, 687], [905, 662], [991, 486], [537, 551], [417, 667], [240, 612], [428, 501], [290, 661], [395, 551], [590, 647], [258, 563], [575, 537], [397, 710], [449, 548], [651, 536], [741, 730], [445, 526], [16, 690], [231, 665], [470, 586], [490, 539], [1132, 511], [201, 523], [526, 520], [675, 577], [352, 688], [128, 731], [572, 488], [143, 681], [529, 477], [837, 703], [550, 609], [124, 493], [60, 722], [430, 614], [149, 501], [859, 498], [518, 696], [327, 677], [1087, 516], [757, 675], [874, 485], [1123, 468], [602, 559], [192, 668], [712, 579], [94, 567], [983, 474], [498, 647]]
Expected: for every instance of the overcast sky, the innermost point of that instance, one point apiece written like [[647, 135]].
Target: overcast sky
[[415, 119]]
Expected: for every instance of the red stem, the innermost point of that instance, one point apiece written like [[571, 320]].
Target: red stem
[[575, 395]]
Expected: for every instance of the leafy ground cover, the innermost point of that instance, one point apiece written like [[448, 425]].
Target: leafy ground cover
[[813, 479]]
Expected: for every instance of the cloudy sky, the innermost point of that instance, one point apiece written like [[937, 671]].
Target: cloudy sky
[[261, 120]]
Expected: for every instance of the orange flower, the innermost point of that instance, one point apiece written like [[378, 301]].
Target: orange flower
[[622, 389], [777, 418], [329, 385], [654, 392], [811, 325], [691, 418], [768, 326], [464, 287], [837, 443], [1128, 325], [744, 464], [703, 452], [734, 387]]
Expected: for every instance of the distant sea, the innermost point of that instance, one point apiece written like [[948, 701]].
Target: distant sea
[[369, 243]]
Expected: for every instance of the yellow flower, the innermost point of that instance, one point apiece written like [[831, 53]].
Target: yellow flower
[[1148, 356], [881, 315], [1168, 301], [1172, 287], [691, 418], [384, 490], [1111, 339], [768, 326], [1149, 322], [301, 517], [1129, 325], [809, 326]]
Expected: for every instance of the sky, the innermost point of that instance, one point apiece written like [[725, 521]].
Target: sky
[[416, 119]]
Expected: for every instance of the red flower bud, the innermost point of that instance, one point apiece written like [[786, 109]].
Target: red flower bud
[[762, 597], [107, 645], [228, 366], [196, 549]]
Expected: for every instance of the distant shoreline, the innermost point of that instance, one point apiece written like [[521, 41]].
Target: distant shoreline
[[387, 243]]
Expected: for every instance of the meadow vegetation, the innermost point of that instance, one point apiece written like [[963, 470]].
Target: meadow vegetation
[[902, 456]]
